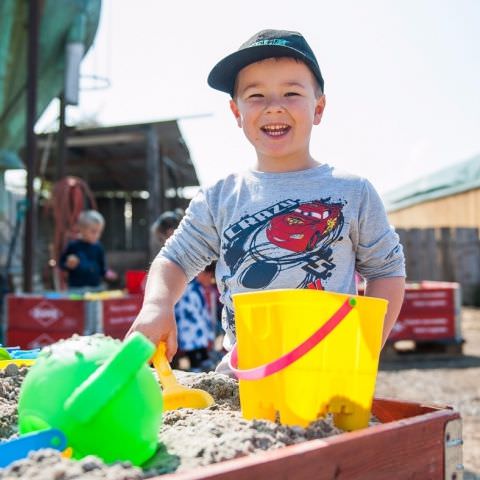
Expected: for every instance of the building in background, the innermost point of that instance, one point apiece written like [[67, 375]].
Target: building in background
[[447, 198], [41, 47], [438, 220], [135, 172]]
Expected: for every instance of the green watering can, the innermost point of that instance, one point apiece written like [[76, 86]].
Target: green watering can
[[100, 393]]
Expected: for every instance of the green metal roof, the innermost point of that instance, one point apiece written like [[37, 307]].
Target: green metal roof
[[59, 23], [452, 180]]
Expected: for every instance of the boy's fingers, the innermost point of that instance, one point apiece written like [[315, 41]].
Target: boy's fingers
[[171, 346], [148, 332]]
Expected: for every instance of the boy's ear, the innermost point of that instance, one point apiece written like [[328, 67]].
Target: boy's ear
[[236, 112], [319, 108]]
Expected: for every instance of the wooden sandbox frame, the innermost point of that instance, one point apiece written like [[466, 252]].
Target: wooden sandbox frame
[[414, 441]]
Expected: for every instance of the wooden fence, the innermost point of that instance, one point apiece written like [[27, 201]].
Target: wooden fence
[[444, 254]]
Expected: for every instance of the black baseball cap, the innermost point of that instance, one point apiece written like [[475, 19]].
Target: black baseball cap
[[264, 44]]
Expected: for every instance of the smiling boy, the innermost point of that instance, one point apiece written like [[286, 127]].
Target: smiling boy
[[276, 105], [291, 221]]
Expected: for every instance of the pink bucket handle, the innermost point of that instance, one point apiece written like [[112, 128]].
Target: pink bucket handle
[[284, 361]]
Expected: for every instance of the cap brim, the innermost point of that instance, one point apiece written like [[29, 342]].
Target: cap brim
[[223, 74]]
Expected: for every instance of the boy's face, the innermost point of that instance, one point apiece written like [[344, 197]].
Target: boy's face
[[276, 105], [91, 232]]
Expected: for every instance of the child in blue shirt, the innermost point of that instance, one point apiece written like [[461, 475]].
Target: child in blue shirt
[[84, 258]]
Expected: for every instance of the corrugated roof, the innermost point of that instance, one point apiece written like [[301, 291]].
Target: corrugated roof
[[113, 158], [452, 180]]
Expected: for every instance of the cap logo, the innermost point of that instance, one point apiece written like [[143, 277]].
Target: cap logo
[[274, 41]]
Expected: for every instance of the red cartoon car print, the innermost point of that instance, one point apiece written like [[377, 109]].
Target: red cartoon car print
[[301, 229]]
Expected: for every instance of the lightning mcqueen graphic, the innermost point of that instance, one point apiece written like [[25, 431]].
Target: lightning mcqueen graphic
[[301, 229]]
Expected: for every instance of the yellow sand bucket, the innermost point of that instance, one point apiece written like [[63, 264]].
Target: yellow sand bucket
[[303, 353]]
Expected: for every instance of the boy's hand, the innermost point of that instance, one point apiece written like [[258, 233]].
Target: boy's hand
[[110, 275], [72, 262], [165, 284], [157, 323]]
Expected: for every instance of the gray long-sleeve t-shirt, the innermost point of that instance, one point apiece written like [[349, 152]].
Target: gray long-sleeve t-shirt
[[306, 229]]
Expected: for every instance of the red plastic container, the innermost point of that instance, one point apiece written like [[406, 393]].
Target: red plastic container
[[34, 320], [28, 339], [117, 314], [33, 312], [135, 281], [430, 312]]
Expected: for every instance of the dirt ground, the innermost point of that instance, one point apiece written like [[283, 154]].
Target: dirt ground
[[198, 437]]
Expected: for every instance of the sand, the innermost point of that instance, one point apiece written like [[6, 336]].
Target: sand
[[188, 438]]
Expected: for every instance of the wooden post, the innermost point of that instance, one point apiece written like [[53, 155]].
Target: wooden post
[[61, 140], [162, 179], [448, 273], [155, 198], [31, 144], [431, 255], [467, 263], [425, 256]]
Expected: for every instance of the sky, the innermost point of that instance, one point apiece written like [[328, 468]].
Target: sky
[[402, 79]]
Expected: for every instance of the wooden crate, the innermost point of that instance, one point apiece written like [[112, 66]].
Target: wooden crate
[[414, 441], [431, 312], [33, 321], [116, 315]]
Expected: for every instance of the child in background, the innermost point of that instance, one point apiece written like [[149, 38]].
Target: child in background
[[165, 225], [84, 258], [209, 284], [290, 222], [215, 306], [195, 328], [192, 313]]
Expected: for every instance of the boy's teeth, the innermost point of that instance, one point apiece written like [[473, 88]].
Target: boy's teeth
[[275, 129]]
